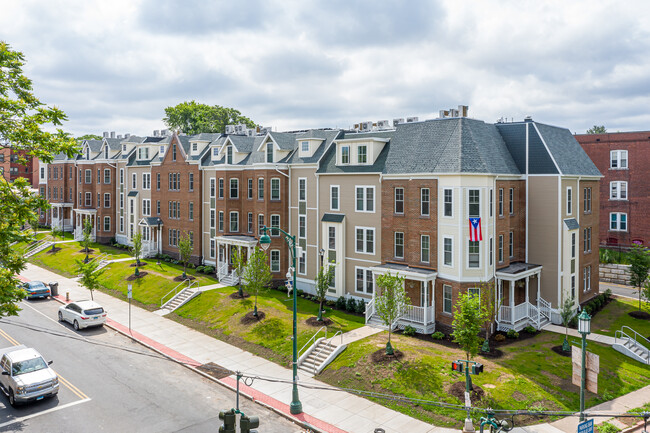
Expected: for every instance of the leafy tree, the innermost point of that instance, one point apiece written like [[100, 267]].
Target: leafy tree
[[491, 309], [185, 251], [390, 302], [639, 266], [596, 129], [194, 118], [646, 292], [87, 236], [323, 280], [567, 313], [56, 231], [89, 137], [257, 274], [136, 250], [22, 116], [239, 262], [468, 318], [89, 275]]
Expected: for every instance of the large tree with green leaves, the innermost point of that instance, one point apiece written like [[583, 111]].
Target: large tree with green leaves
[[639, 266], [89, 137], [597, 129], [194, 118], [89, 275], [257, 274], [390, 302], [469, 315], [322, 281], [185, 251], [22, 120]]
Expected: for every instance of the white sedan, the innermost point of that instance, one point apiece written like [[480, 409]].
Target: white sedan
[[82, 314]]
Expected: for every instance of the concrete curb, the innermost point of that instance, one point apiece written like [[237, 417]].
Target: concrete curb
[[207, 376]]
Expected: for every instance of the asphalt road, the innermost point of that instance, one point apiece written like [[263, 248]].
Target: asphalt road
[[110, 383], [620, 290]]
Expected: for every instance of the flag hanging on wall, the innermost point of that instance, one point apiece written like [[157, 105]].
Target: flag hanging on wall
[[475, 229]]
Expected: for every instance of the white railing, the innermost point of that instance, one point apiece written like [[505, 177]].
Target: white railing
[[174, 291], [38, 246], [414, 314], [533, 313], [545, 308], [222, 270], [520, 312], [506, 315], [370, 309], [638, 338], [312, 339], [327, 344]]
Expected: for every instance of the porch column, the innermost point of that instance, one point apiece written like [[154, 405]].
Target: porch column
[[512, 297], [527, 289], [539, 277], [425, 285], [498, 295]]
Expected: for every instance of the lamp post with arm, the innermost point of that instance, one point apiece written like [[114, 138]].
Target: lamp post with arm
[[584, 326], [265, 241]]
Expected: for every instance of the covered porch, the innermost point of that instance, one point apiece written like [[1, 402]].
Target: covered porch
[[227, 247], [151, 228], [518, 297], [418, 284], [81, 215], [62, 216]]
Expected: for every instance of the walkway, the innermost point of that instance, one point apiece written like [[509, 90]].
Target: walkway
[[598, 338]]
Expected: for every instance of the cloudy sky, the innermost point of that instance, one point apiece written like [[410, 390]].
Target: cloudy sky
[[115, 65]]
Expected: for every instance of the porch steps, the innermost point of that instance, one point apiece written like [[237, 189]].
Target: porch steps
[[319, 356], [229, 280], [376, 322], [40, 246], [182, 298], [632, 344]]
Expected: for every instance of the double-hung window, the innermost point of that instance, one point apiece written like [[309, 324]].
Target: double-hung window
[[511, 200], [260, 188], [399, 200], [107, 199], [250, 189], [446, 299], [191, 181], [334, 197], [511, 244], [221, 185], [107, 176], [275, 225], [302, 189], [448, 202], [618, 221], [275, 260], [191, 211], [365, 240], [473, 254], [345, 154], [269, 152], [399, 245], [587, 200], [448, 252], [362, 154], [474, 203], [425, 248], [500, 202], [569, 201], [365, 283], [234, 188], [89, 175], [250, 222], [234, 222], [365, 198], [275, 188], [618, 159], [500, 248], [618, 190], [134, 181], [220, 220], [586, 238], [425, 200]]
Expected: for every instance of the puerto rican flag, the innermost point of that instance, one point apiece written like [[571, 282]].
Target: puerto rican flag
[[475, 229]]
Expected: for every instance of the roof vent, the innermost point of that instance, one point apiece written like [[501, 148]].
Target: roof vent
[[106, 134], [127, 135], [528, 119], [112, 134], [383, 124], [412, 119], [230, 129], [398, 121], [119, 136], [366, 126]]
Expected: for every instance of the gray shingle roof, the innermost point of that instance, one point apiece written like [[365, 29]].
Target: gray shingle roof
[[332, 218], [285, 140], [205, 136], [328, 163], [327, 135], [568, 154], [113, 143], [571, 224]]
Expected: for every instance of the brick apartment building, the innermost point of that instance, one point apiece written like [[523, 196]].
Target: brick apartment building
[[382, 198], [622, 158], [11, 168]]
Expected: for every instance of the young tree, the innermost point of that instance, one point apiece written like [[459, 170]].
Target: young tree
[[87, 236], [239, 262], [22, 116], [89, 275], [136, 250], [56, 231], [468, 318], [639, 267], [567, 313], [257, 274], [390, 302], [185, 251], [646, 292], [194, 118], [491, 309], [322, 281]]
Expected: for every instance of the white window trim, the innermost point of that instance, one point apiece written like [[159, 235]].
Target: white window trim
[[271, 224], [395, 200], [271, 189], [467, 267], [618, 222], [618, 184], [300, 179], [479, 202], [569, 200], [443, 203], [230, 214], [338, 197], [107, 218], [422, 201], [395, 245], [365, 199], [365, 280], [271, 260], [451, 292], [236, 180], [429, 253], [443, 251], [365, 239], [616, 155], [341, 154]]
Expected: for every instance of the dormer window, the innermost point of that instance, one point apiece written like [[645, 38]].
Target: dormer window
[[195, 146], [362, 155], [143, 153], [345, 154], [269, 152], [162, 150], [304, 147], [215, 152], [229, 155], [106, 152], [124, 148], [87, 153], [174, 152]]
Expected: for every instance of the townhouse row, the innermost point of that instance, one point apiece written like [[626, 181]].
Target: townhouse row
[[450, 204]]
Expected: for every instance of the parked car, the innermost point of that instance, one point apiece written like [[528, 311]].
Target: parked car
[[82, 314], [37, 289], [26, 376]]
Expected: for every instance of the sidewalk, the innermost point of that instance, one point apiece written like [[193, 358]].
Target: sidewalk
[[598, 338]]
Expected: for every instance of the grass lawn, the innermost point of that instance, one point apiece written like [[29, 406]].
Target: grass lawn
[[615, 315], [215, 313], [63, 260], [528, 376]]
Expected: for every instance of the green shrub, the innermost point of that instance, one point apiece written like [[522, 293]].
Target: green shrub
[[409, 330], [530, 329], [608, 294], [330, 303], [200, 269], [341, 303], [573, 323], [499, 337], [208, 270], [361, 307], [512, 334], [437, 335], [607, 428], [351, 305]]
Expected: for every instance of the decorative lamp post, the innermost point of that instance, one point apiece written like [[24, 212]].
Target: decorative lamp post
[[584, 325], [265, 241], [322, 255]]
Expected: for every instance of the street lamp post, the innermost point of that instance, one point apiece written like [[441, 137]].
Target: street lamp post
[[584, 324], [322, 255], [265, 241]]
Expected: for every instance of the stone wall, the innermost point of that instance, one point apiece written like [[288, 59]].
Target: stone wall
[[619, 274]]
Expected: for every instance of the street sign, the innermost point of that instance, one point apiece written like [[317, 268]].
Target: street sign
[[586, 427], [129, 293]]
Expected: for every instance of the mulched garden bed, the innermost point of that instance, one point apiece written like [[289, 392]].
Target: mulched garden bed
[[215, 370], [249, 318], [136, 277], [494, 353], [187, 277], [235, 295], [458, 390], [53, 250], [313, 321], [90, 251], [140, 265], [380, 357], [559, 351], [639, 315]]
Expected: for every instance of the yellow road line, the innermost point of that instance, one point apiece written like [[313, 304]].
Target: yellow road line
[[9, 338]]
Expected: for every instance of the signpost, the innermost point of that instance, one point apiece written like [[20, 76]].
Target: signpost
[[129, 294], [586, 426]]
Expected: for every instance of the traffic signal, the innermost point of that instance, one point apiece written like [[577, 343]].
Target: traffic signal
[[477, 368], [229, 419], [457, 366], [247, 423]]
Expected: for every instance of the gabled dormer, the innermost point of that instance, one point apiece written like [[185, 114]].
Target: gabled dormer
[[276, 146], [232, 152], [359, 150], [307, 146], [128, 144], [143, 152]]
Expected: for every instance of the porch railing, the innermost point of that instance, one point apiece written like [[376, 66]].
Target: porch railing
[[222, 270], [370, 309], [505, 314], [545, 308]]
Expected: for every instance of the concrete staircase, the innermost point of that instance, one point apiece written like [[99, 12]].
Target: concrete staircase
[[315, 358], [631, 343], [179, 298], [37, 248], [376, 322], [229, 279]]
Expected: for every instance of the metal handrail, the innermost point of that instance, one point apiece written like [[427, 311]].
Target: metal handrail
[[174, 290], [328, 345], [34, 248], [313, 338], [621, 332]]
